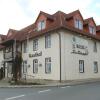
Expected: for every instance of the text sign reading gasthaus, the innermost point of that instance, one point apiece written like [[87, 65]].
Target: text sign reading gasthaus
[[36, 54], [79, 46]]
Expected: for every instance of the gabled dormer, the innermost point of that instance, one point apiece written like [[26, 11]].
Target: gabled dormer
[[75, 19], [43, 21], [2, 37], [11, 32], [90, 26]]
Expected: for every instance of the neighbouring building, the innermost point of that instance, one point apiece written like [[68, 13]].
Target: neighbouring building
[[56, 47]]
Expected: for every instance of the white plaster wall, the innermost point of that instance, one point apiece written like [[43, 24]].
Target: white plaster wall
[[52, 52], [1, 58], [70, 61]]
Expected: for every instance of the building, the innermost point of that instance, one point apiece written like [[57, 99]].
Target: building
[[56, 47]]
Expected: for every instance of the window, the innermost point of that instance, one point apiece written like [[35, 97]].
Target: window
[[9, 68], [35, 66], [25, 47], [47, 41], [92, 30], [48, 65], [78, 24], [41, 25], [35, 44], [95, 47], [81, 66], [95, 67], [25, 66]]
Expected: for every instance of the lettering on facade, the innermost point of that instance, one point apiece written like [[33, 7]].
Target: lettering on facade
[[36, 54], [80, 46]]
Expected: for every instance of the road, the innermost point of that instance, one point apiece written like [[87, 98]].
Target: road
[[78, 92]]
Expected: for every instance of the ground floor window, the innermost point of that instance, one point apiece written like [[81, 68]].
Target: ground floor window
[[81, 66], [25, 66], [35, 66], [48, 65], [9, 66], [95, 67]]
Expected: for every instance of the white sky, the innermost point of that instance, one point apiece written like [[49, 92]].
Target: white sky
[[17, 14]]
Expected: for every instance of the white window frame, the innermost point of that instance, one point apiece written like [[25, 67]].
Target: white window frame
[[48, 65], [41, 25], [92, 30], [95, 67], [9, 68], [35, 44], [35, 66], [78, 24], [48, 41], [25, 66], [81, 66]]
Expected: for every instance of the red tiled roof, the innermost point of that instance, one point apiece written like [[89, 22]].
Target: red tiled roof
[[98, 28], [86, 21], [72, 14], [59, 21]]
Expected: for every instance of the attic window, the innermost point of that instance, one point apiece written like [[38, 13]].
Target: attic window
[[41, 25], [92, 30], [78, 24]]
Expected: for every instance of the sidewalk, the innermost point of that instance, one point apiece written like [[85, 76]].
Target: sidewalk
[[5, 84]]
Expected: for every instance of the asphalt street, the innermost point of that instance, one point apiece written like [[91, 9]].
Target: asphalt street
[[78, 92]]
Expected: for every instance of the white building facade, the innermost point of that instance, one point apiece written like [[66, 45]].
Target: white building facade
[[79, 57], [56, 47]]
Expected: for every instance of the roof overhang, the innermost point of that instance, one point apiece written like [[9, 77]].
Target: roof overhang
[[7, 42]]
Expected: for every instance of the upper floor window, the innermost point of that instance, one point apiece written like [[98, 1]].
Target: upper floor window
[[41, 25], [35, 44], [48, 41], [92, 30], [95, 47], [78, 24], [25, 47]]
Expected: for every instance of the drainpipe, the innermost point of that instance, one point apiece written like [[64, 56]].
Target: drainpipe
[[60, 55]]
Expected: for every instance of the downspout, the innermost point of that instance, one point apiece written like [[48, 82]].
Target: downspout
[[60, 55], [59, 34]]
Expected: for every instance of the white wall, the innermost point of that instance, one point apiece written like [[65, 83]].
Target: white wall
[[1, 58], [52, 52], [70, 61]]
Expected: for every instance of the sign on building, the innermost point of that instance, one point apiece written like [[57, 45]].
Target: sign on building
[[79, 46]]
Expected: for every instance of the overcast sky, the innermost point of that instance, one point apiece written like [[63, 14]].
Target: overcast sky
[[17, 14]]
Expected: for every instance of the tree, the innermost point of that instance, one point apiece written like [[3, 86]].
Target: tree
[[17, 66]]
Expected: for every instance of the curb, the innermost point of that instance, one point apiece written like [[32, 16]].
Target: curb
[[53, 85]]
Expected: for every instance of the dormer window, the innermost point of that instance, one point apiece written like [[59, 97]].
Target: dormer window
[[92, 30], [41, 25], [78, 24]]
